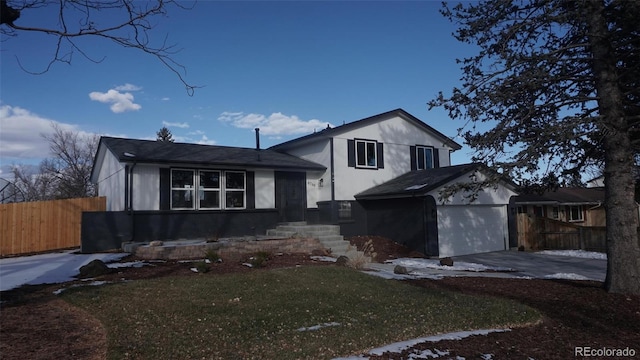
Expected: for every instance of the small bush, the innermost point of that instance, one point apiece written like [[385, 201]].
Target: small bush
[[202, 267], [212, 256], [259, 259], [363, 258]]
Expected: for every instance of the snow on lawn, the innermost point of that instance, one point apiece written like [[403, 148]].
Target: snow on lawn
[[415, 264], [575, 253], [566, 276], [50, 268], [424, 354]]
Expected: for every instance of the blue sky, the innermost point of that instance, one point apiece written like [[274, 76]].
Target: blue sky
[[286, 67]]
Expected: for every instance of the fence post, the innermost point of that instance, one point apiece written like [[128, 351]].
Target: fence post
[[581, 233]]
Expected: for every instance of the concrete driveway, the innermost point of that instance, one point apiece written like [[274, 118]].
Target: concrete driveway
[[541, 265]]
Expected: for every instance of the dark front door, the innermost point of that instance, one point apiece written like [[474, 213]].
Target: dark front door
[[291, 195]]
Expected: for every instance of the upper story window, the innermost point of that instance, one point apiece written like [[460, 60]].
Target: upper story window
[[211, 187], [365, 154], [424, 157]]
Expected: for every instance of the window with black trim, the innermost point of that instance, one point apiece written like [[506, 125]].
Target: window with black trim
[[215, 189], [366, 154], [424, 157]]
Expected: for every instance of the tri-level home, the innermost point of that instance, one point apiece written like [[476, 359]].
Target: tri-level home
[[358, 175]]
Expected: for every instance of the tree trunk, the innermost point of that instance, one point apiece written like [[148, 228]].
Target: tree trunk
[[623, 249]]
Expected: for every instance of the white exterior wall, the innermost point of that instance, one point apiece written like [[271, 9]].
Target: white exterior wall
[[146, 187], [111, 181], [318, 182], [397, 135], [265, 189]]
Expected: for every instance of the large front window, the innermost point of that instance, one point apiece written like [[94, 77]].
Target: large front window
[[214, 189]]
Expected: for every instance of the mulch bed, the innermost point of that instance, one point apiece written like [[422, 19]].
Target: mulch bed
[[35, 324]]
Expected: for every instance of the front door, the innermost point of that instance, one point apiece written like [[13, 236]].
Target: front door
[[291, 195]]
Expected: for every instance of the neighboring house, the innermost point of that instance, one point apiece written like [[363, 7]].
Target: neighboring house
[[162, 190], [581, 206]]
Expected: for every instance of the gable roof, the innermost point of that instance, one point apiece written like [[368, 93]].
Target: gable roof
[[163, 152], [331, 132], [564, 196], [417, 183]]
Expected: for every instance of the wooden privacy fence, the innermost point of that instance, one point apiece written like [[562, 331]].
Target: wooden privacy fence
[[44, 225], [540, 233]]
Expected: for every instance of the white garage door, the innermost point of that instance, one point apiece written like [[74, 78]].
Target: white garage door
[[470, 229]]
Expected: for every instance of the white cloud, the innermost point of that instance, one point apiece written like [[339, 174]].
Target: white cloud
[[175, 124], [274, 124], [165, 99], [203, 140], [120, 102], [21, 135], [128, 87]]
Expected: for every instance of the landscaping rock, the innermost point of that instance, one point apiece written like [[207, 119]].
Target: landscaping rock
[[399, 269], [94, 268], [446, 261], [342, 261], [156, 243]]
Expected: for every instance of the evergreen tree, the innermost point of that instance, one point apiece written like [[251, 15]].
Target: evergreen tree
[[552, 93], [164, 134]]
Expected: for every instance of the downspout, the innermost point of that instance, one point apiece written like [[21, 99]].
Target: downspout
[[131, 214], [334, 206]]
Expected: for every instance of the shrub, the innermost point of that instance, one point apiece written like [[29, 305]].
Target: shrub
[[363, 258], [259, 259], [212, 256], [202, 267]]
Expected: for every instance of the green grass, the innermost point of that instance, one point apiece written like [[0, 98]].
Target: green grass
[[258, 314]]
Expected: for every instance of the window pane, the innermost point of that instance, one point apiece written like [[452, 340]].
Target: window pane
[[181, 178], [360, 153], [210, 179], [371, 154], [210, 199], [420, 158], [235, 199], [235, 180], [182, 199], [428, 161]]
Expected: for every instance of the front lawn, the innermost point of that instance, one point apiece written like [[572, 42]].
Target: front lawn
[[306, 312]]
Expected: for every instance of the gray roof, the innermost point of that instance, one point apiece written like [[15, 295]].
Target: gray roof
[[330, 132], [417, 183], [564, 195], [164, 152]]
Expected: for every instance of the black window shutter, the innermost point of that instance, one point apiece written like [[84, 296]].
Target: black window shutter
[[412, 157], [165, 189], [351, 153], [380, 155], [251, 190], [436, 158]]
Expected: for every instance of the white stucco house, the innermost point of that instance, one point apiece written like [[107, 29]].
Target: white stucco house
[[339, 175]]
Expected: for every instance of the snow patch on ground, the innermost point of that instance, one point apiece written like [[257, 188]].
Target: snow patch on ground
[[324, 258], [93, 283], [424, 354], [50, 268], [435, 264], [319, 326], [575, 253], [566, 276]]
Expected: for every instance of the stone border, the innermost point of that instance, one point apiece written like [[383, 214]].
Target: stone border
[[226, 249]]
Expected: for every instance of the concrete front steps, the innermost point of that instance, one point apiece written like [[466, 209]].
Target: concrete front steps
[[328, 235]]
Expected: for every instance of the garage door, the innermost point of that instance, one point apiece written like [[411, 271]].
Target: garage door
[[470, 229]]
